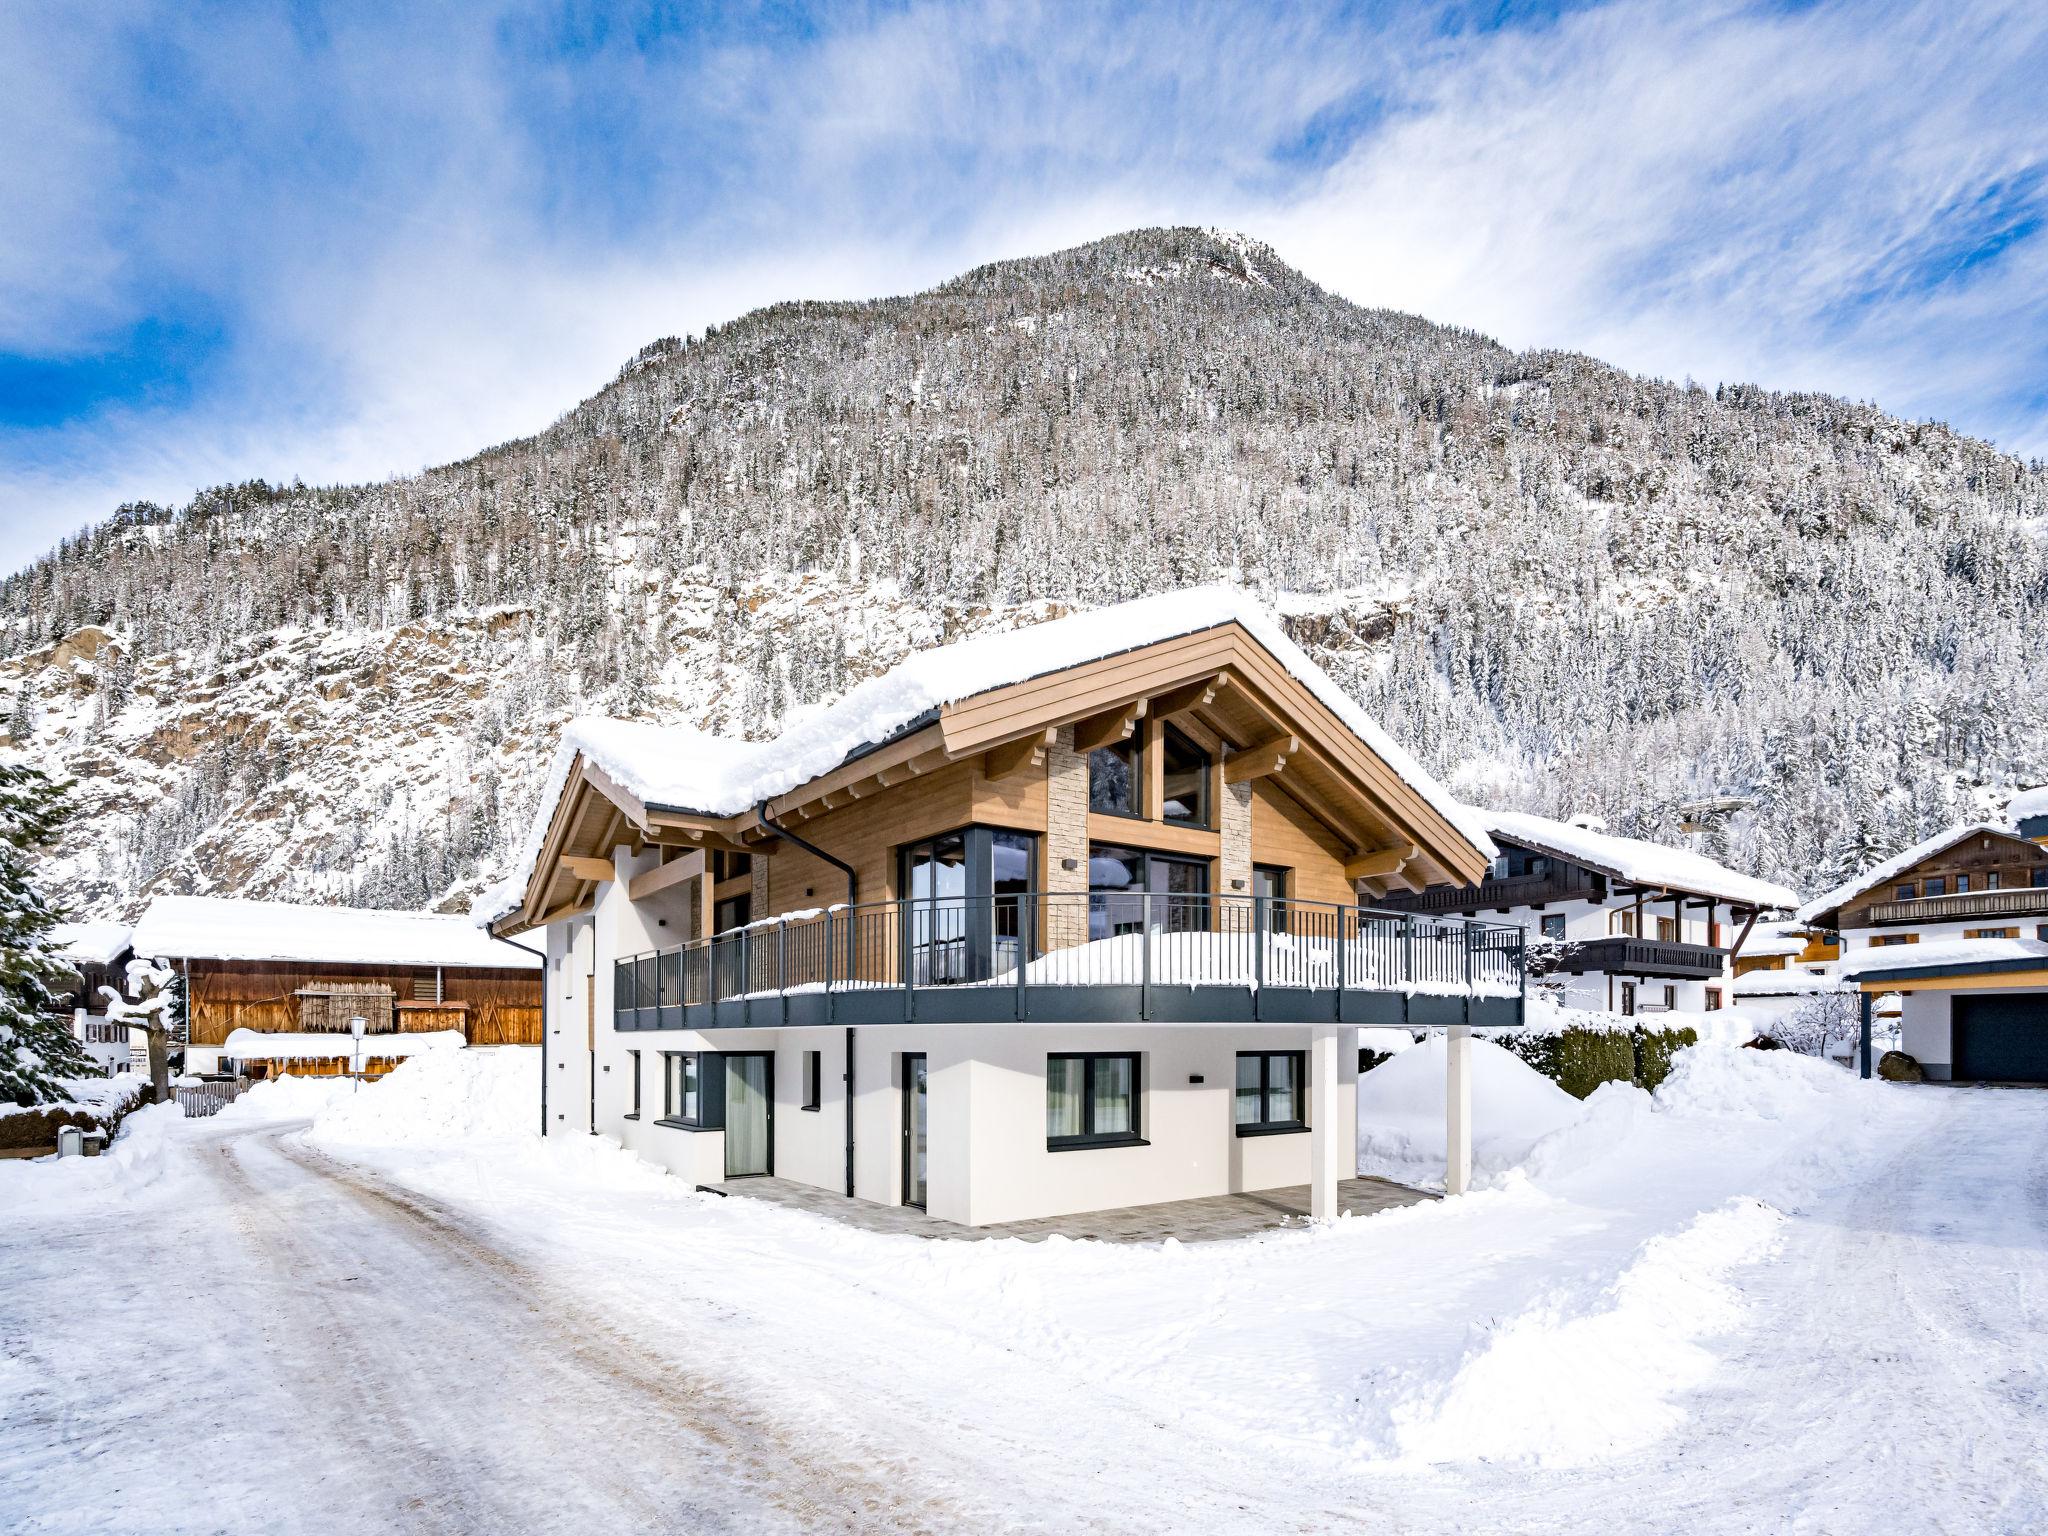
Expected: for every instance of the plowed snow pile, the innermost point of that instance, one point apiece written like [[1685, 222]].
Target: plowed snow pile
[[1401, 1113], [485, 1093]]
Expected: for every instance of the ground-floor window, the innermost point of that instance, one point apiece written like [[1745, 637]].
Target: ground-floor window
[[633, 1070], [1269, 1092], [814, 1079], [692, 1091], [1713, 998], [1091, 1100], [1553, 925], [1628, 999]]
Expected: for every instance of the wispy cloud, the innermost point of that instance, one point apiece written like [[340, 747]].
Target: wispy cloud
[[384, 240]]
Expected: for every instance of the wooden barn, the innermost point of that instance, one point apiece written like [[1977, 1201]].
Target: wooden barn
[[276, 987]]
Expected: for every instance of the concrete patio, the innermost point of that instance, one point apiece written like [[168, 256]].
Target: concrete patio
[[1213, 1218]]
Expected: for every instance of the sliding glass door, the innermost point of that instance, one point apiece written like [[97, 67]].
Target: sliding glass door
[[967, 910], [749, 1114], [1130, 889]]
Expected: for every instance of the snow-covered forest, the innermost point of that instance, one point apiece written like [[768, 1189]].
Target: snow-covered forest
[[1565, 588]]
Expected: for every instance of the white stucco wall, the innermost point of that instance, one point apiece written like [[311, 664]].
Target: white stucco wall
[[1925, 1033]]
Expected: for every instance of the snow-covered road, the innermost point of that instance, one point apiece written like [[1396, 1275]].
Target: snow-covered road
[[352, 1357], [1847, 1286]]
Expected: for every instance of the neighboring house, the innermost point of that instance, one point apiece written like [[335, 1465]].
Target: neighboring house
[[1038, 923], [1972, 1010], [1977, 882], [273, 987], [1632, 926], [98, 950], [1782, 965]]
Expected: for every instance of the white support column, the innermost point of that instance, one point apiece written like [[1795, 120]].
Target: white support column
[[1325, 1144], [1457, 1109]]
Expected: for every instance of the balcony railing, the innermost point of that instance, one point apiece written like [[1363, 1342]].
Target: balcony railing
[[2020, 901], [1082, 957], [1665, 958]]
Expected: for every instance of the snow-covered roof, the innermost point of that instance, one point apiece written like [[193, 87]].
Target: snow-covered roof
[[1777, 938], [1991, 953], [1896, 865], [224, 928], [2027, 804], [94, 941], [682, 769], [1636, 861]]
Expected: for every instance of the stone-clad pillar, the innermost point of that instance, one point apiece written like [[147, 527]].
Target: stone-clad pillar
[[1066, 841]]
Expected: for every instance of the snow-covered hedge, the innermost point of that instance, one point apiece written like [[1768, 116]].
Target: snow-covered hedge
[[1579, 1050], [91, 1104]]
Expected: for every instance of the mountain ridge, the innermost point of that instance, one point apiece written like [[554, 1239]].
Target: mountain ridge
[[1564, 586]]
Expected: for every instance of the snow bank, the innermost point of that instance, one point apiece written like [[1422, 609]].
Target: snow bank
[[138, 1164], [285, 1098], [484, 1093], [1401, 1112]]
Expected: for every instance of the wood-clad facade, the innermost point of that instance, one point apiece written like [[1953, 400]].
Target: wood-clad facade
[[490, 1007]]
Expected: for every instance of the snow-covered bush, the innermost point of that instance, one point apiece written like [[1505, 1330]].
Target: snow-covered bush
[[1579, 1050]]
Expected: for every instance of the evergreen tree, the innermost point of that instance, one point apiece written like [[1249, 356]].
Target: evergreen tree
[[36, 1046]]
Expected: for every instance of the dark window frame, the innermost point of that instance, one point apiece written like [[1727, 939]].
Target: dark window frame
[[1089, 1137], [980, 923], [1131, 751], [1176, 912], [1935, 885], [1282, 878], [1205, 818], [710, 1113], [814, 1080], [633, 1057], [1545, 920], [1713, 1000], [1266, 1125], [1906, 891]]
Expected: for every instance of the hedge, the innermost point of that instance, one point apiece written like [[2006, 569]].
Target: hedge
[[1580, 1060]]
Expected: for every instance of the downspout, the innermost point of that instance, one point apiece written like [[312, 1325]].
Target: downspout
[[852, 900], [543, 1023]]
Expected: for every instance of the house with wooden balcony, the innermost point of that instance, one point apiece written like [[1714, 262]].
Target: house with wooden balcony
[[1037, 923], [1957, 927], [1622, 925], [270, 987]]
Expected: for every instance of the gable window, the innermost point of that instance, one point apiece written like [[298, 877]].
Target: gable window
[[1905, 893], [814, 1079], [1991, 880], [633, 1071], [1937, 885], [1091, 1100], [1185, 780], [1962, 885], [1113, 779], [1553, 925], [692, 1090], [1269, 1092]]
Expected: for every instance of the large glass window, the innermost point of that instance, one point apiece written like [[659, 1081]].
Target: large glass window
[[968, 905], [1130, 889], [1268, 1092], [1113, 779], [683, 1095], [1091, 1099], [1184, 780]]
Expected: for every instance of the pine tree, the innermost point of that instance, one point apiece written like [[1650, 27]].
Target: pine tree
[[36, 1046]]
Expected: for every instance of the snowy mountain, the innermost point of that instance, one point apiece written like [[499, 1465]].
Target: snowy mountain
[[1813, 628]]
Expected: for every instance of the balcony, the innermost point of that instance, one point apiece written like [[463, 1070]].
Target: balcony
[[1662, 958], [1561, 882], [1103, 957], [2020, 901]]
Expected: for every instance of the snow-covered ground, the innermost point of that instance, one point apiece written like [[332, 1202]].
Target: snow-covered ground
[[1769, 1297]]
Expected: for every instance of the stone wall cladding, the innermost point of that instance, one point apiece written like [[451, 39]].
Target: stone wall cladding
[[1066, 837], [1236, 874]]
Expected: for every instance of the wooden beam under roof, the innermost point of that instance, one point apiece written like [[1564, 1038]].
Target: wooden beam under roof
[[662, 876], [1268, 757], [567, 909], [1070, 694], [1187, 698], [583, 867], [1109, 727], [1027, 751], [1381, 863]]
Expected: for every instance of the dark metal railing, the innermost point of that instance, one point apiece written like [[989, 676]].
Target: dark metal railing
[[1030, 940]]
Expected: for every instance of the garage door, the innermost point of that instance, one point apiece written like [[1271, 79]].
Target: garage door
[[2002, 1039]]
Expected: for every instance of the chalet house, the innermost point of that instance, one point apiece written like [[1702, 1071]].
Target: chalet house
[[97, 951], [273, 987], [1981, 881], [1957, 928], [1038, 923], [1632, 926]]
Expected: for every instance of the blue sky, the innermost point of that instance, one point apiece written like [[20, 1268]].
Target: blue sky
[[347, 241]]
